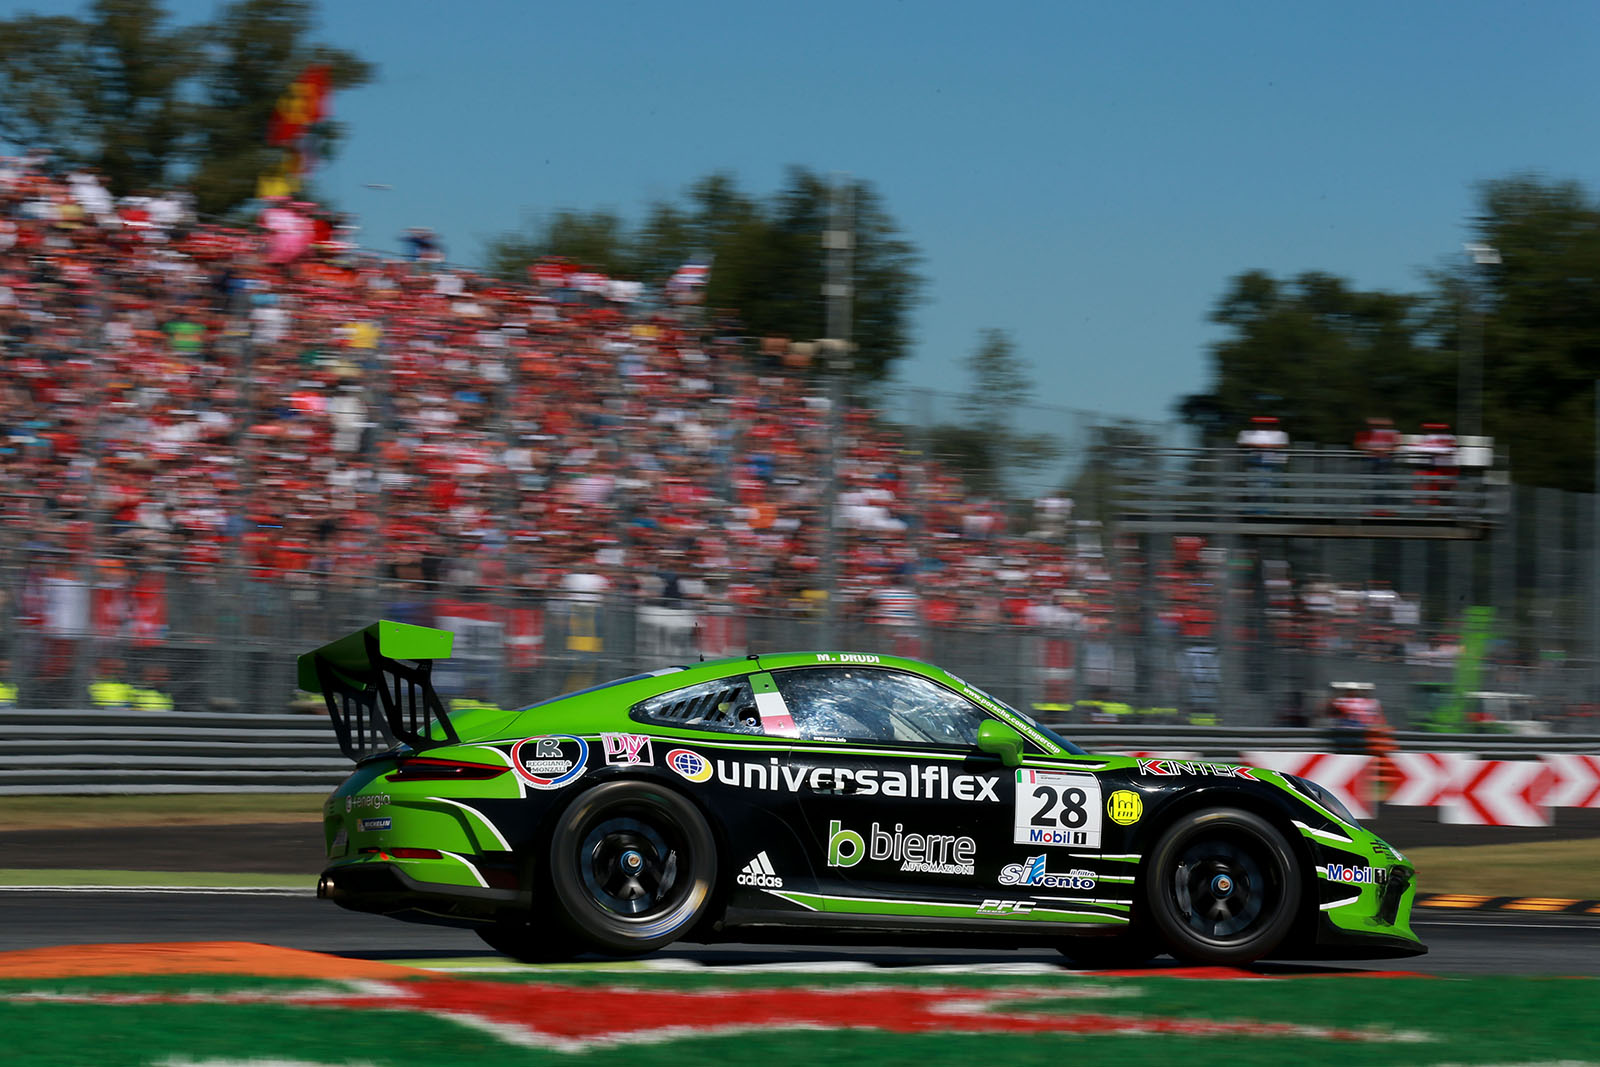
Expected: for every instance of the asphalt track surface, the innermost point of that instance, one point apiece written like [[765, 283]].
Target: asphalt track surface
[[1460, 942]]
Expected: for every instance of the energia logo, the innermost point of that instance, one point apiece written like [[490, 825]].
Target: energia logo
[[689, 765], [920, 853], [759, 873]]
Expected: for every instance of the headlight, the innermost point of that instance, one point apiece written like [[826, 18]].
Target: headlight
[[1321, 796]]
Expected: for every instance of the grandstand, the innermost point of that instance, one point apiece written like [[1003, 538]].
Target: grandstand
[[216, 452]]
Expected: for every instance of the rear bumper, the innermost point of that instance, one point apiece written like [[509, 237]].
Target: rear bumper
[[384, 888]]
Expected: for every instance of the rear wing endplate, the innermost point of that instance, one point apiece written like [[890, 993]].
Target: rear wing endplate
[[375, 700]]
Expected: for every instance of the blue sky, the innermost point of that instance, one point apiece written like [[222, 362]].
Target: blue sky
[[1085, 176]]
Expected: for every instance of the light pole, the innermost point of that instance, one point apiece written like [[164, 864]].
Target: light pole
[[1469, 390], [838, 239]]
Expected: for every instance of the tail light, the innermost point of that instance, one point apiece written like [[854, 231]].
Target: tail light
[[404, 853], [430, 769]]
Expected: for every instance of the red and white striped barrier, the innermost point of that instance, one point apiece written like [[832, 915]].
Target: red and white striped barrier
[[1576, 781], [1500, 793], [1348, 777], [1427, 779]]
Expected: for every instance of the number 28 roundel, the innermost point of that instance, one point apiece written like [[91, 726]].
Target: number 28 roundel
[[1059, 808]]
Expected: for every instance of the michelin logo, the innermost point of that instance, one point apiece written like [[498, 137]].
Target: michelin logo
[[759, 873]]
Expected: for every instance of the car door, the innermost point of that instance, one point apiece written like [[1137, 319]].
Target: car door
[[899, 805]]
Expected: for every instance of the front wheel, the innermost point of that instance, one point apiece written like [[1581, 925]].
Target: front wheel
[[1222, 887], [631, 866]]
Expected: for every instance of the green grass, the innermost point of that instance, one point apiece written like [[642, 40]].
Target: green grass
[[1544, 869], [207, 879], [165, 809], [1458, 1021]]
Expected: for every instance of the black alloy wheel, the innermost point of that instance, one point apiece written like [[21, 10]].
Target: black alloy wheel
[[631, 866], [1222, 887]]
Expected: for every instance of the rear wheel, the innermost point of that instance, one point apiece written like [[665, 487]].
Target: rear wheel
[[631, 866], [1222, 887]]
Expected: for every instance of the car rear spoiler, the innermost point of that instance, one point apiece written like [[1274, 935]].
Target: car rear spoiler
[[361, 675]]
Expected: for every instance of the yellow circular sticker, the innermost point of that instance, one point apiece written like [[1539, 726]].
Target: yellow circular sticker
[[1124, 807]]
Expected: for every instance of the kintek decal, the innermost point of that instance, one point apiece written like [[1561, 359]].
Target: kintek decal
[[1168, 767], [759, 873], [1032, 872], [1057, 808], [369, 825], [550, 762], [918, 853], [1125, 807], [1338, 872], [932, 782], [689, 765], [628, 750]]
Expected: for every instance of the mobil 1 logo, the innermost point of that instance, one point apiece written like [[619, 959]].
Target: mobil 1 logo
[[1057, 808]]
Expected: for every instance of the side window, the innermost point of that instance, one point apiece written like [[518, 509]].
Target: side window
[[724, 704], [874, 704]]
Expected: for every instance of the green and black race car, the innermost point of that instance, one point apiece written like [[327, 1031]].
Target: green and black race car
[[820, 795]]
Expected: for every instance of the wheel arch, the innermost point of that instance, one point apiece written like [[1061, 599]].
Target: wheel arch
[[1258, 802]]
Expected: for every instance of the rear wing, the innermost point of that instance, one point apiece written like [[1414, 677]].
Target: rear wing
[[375, 701]]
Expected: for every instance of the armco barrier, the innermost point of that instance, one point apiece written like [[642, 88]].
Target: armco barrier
[[70, 751], [81, 751]]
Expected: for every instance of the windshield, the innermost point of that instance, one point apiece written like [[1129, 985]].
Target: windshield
[[1066, 746]]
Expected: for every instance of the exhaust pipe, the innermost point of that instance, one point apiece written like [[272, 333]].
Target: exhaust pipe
[[325, 888]]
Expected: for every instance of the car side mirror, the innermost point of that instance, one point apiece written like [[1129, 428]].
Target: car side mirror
[[1001, 740]]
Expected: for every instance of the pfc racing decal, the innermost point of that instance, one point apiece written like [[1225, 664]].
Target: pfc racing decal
[[550, 762], [1057, 808], [927, 782], [916, 853]]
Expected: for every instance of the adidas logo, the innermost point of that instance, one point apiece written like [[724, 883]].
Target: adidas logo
[[758, 872]]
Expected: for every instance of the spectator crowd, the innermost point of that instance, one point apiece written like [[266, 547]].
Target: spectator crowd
[[182, 398], [179, 395]]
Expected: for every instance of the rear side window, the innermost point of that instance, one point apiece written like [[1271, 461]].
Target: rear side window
[[726, 704]]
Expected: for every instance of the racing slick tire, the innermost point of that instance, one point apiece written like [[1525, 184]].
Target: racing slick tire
[[1222, 887], [632, 865]]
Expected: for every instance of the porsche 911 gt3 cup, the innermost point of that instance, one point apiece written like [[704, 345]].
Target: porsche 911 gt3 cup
[[820, 794]]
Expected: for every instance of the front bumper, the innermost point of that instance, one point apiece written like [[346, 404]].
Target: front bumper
[[1363, 893]]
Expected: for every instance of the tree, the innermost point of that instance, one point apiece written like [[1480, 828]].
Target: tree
[[768, 263], [258, 48], [147, 104], [985, 447], [1541, 325], [1323, 356]]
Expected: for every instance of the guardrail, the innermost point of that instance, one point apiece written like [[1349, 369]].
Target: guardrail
[[65, 751], [71, 751]]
